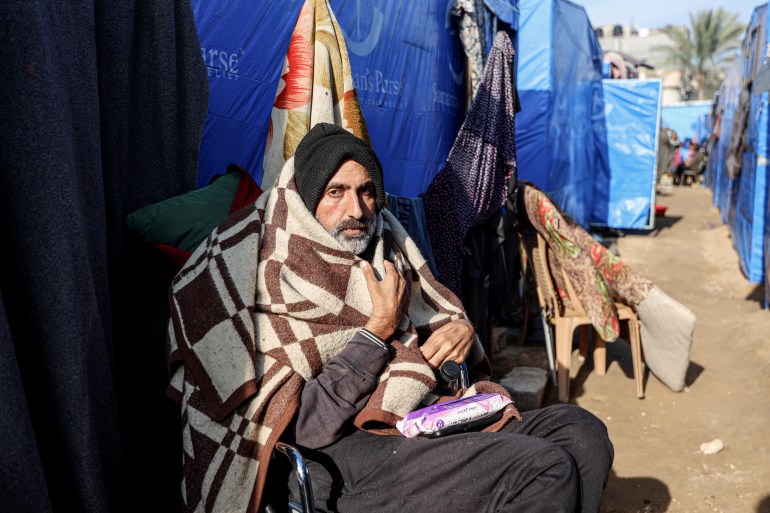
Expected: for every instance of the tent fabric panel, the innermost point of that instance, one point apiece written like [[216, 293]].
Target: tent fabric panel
[[749, 198], [717, 176], [532, 156], [243, 49], [408, 68], [687, 120], [742, 201], [535, 46], [533, 81], [749, 205], [722, 183], [409, 71], [559, 76], [506, 10], [632, 110], [576, 68], [222, 131], [106, 118]]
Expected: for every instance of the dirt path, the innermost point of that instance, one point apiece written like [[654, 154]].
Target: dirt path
[[658, 466]]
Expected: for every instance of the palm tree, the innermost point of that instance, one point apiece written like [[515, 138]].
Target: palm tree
[[702, 50]]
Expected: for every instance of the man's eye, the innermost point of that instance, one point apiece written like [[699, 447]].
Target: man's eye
[[334, 193]]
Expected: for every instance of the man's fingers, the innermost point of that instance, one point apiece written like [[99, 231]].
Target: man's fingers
[[391, 273], [450, 342], [439, 357], [371, 280], [434, 349], [428, 350], [367, 269]]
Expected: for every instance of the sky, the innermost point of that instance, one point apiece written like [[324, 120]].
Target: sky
[[658, 13]]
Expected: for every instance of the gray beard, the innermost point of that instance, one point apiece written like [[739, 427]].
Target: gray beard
[[356, 244]]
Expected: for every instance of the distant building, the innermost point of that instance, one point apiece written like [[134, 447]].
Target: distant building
[[639, 43]]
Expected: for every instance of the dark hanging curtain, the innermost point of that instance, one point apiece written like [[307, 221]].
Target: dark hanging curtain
[[471, 186], [101, 112]]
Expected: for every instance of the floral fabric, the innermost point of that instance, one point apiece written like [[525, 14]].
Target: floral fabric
[[598, 276], [316, 86]]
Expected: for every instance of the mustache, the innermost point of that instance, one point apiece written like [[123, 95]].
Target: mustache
[[351, 224]]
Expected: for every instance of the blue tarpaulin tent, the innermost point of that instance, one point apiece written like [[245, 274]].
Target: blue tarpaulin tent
[[750, 188], [408, 68], [716, 177], [743, 200], [243, 49], [409, 72], [625, 186], [687, 119], [559, 83]]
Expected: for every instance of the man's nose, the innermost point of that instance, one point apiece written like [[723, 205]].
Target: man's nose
[[354, 207]]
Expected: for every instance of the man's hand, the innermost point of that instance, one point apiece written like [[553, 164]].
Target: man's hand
[[390, 299], [452, 341]]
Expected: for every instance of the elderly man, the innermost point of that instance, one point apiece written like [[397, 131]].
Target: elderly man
[[312, 317]]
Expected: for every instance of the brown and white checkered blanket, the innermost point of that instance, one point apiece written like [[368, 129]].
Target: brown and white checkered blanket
[[257, 311]]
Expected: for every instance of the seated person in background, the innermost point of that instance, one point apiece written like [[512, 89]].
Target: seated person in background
[[340, 294], [693, 162]]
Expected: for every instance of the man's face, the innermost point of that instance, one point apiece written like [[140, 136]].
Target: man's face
[[348, 205]]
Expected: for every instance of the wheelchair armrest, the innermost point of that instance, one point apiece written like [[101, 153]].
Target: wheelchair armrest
[[303, 478], [465, 382]]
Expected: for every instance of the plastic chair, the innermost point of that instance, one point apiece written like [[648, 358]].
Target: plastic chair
[[543, 307], [545, 304], [566, 320], [694, 175]]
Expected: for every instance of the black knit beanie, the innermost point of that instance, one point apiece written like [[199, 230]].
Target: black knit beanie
[[321, 152]]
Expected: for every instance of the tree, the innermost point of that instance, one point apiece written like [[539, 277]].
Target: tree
[[702, 50]]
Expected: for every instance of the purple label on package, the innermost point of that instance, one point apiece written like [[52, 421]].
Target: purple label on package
[[432, 418]]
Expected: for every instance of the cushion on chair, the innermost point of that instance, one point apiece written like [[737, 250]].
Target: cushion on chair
[[667, 327], [176, 226]]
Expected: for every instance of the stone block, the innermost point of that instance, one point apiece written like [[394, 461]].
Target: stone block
[[519, 356], [526, 386]]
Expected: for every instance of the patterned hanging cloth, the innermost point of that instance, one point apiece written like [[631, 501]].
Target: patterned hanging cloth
[[316, 86], [472, 184], [474, 21], [600, 278]]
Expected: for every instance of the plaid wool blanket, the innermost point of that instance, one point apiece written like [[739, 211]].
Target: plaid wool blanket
[[257, 311]]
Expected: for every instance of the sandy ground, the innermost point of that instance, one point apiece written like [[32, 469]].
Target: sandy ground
[[658, 465]]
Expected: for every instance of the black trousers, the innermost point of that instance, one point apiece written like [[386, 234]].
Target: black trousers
[[556, 459]]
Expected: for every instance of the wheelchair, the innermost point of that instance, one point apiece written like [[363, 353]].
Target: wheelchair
[[453, 374]]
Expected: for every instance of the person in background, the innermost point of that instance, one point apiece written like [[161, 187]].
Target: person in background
[[692, 162]]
